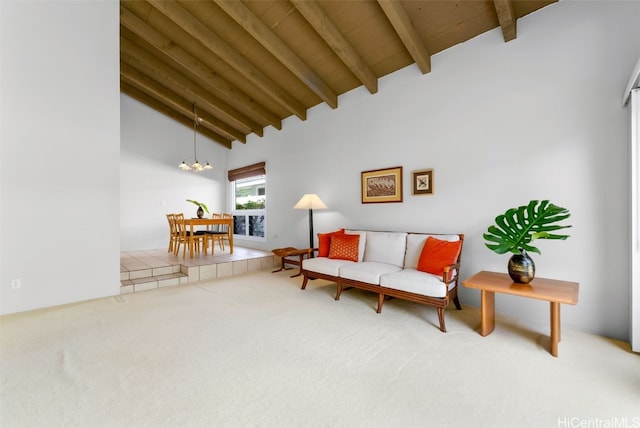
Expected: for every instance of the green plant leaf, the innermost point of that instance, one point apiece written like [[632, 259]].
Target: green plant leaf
[[518, 227]]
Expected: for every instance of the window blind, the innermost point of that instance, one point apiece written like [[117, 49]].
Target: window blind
[[247, 171]]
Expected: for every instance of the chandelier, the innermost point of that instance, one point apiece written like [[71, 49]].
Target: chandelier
[[195, 166]]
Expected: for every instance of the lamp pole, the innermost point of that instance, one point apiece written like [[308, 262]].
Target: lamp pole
[[310, 201], [311, 230]]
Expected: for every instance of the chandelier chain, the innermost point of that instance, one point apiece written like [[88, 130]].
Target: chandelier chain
[[196, 166]]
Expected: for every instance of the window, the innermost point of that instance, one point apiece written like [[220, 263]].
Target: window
[[249, 190]]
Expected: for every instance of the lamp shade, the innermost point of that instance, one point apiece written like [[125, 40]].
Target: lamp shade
[[310, 201]]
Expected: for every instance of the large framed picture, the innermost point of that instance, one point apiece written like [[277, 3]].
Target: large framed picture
[[422, 182], [382, 185]]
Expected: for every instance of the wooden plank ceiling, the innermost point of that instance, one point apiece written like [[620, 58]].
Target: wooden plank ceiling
[[252, 63]]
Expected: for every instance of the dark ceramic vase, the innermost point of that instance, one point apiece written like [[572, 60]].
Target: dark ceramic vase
[[200, 212], [522, 270]]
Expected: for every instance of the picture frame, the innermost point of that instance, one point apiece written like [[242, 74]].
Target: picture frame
[[422, 182], [382, 185]]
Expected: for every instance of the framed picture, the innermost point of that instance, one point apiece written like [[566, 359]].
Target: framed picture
[[423, 182], [382, 185]]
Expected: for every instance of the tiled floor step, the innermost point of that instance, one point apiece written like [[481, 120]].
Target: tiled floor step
[[149, 269]]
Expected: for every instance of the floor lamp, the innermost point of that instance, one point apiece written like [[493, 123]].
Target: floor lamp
[[310, 201]]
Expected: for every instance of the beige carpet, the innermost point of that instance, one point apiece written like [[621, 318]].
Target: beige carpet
[[256, 351]]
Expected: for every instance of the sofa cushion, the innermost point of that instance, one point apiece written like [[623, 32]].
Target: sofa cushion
[[324, 242], [344, 247], [386, 247], [363, 241], [415, 244], [325, 265], [437, 254], [369, 272], [414, 281]]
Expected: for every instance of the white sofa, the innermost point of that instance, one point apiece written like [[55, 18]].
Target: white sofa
[[387, 265]]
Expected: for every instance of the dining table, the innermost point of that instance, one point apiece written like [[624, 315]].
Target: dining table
[[193, 222]]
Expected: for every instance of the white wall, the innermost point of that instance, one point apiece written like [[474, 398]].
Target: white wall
[[634, 247], [152, 185], [501, 124], [59, 152]]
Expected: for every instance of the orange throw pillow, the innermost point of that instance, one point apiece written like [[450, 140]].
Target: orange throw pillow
[[324, 242], [436, 254], [344, 247]]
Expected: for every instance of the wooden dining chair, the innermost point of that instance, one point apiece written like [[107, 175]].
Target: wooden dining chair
[[224, 231], [184, 236], [173, 233], [216, 234]]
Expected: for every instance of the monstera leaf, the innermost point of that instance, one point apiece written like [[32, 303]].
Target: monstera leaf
[[518, 227]]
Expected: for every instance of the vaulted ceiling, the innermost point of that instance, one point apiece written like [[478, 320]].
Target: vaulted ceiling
[[250, 64]]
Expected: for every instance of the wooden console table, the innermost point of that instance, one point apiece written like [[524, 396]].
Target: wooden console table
[[551, 290], [283, 253]]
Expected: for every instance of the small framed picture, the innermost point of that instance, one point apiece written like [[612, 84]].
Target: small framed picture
[[382, 185], [423, 182]]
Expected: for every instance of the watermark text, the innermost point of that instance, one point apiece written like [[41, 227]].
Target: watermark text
[[614, 422]]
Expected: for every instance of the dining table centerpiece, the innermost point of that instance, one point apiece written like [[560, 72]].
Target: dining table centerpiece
[[202, 208]]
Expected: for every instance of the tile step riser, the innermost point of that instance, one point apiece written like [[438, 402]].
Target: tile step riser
[[142, 280]]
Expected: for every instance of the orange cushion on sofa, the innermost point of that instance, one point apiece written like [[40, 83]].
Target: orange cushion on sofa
[[344, 247], [436, 254], [324, 242]]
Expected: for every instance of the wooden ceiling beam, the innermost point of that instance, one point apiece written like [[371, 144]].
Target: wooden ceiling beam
[[267, 38], [400, 21], [206, 77], [171, 99], [208, 38], [148, 100], [507, 18], [169, 77], [325, 27]]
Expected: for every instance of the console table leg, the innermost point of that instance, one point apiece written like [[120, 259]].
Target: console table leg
[[555, 328], [300, 265], [487, 312]]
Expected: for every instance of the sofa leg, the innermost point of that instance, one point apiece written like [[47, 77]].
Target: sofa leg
[[338, 291], [304, 283], [457, 303], [380, 302], [441, 319]]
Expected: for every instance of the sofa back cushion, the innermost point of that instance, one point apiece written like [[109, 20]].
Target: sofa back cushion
[[415, 244], [385, 247]]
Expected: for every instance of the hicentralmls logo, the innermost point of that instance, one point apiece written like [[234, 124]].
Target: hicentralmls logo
[[615, 422]]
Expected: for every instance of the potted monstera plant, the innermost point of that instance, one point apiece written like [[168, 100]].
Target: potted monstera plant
[[516, 229], [202, 208]]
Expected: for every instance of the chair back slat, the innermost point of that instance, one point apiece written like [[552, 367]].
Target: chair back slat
[[172, 232]]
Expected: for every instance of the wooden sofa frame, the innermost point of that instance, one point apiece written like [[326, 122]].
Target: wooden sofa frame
[[439, 302]]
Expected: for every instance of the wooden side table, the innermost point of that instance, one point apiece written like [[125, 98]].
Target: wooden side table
[[283, 253], [551, 290]]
